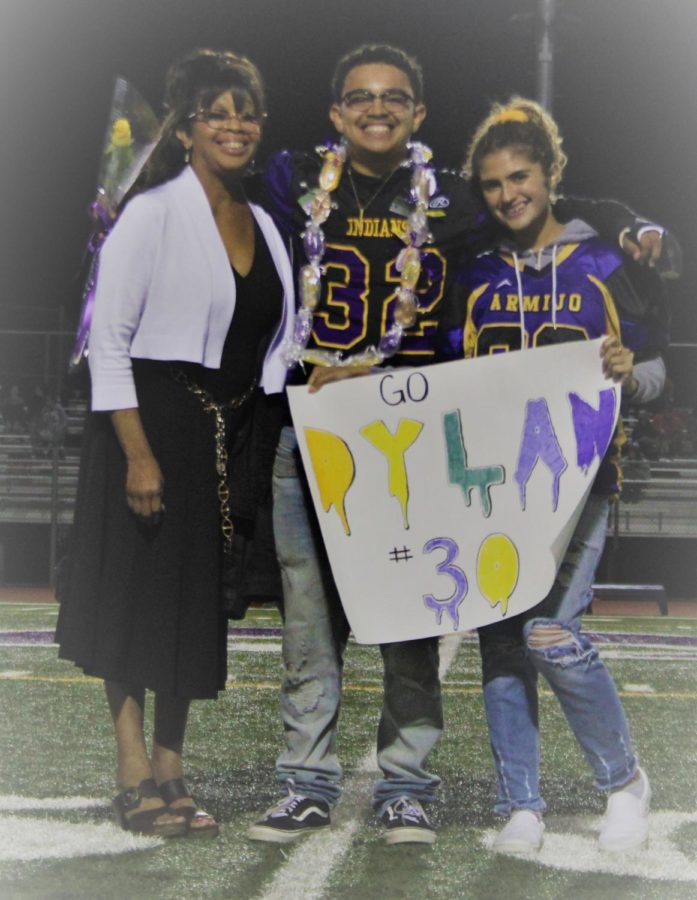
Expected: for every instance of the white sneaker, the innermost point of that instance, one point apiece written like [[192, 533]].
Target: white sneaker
[[626, 824], [522, 834]]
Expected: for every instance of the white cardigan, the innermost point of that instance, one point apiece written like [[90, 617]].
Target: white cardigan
[[166, 291]]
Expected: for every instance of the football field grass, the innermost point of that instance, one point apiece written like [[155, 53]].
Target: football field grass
[[57, 838]]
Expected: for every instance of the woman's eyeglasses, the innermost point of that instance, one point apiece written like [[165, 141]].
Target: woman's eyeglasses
[[222, 121]]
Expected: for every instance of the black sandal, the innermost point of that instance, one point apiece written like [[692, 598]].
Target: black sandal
[[145, 821], [176, 789]]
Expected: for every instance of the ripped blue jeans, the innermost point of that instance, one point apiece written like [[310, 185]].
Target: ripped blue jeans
[[548, 640], [314, 639]]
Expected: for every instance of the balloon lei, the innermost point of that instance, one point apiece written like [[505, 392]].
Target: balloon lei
[[423, 186]]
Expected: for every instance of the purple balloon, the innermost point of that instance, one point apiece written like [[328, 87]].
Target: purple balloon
[[390, 341], [314, 243]]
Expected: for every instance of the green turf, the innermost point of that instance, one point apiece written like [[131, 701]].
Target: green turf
[[56, 741]]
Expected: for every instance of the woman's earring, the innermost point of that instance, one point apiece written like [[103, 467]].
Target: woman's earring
[[187, 155]]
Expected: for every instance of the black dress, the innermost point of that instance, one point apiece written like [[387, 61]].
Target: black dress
[[141, 604]]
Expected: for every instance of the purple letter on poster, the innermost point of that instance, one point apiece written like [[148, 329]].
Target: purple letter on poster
[[539, 442], [593, 427]]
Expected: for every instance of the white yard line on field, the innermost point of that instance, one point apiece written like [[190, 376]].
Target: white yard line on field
[[308, 868], [578, 851], [15, 803], [24, 839]]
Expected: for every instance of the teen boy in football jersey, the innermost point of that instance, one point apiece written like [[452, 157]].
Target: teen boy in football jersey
[[378, 106]]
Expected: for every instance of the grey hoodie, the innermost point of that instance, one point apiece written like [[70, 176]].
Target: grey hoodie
[[649, 374]]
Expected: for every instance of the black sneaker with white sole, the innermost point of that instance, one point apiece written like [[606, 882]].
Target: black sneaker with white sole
[[406, 823], [290, 819]]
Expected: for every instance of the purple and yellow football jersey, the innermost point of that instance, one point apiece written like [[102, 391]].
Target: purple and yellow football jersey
[[583, 295]]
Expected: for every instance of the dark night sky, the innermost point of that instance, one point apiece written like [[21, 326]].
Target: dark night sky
[[625, 98]]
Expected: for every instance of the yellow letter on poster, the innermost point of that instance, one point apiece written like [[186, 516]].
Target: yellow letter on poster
[[333, 466], [497, 569], [394, 446]]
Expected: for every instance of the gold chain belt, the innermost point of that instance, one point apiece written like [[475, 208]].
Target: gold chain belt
[[221, 455]]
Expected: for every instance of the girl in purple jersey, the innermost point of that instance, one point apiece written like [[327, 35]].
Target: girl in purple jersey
[[515, 163]]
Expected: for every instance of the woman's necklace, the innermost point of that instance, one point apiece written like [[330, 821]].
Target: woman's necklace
[[362, 209], [318, 207]]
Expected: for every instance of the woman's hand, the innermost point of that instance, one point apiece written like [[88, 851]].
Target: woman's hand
[[144, 480], [144, 486], [322, 375], [618, 364]]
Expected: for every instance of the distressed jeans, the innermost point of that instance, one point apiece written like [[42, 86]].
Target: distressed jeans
[[548, 640], [314, 639]]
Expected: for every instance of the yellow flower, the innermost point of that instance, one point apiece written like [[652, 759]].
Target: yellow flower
[[121, 133]]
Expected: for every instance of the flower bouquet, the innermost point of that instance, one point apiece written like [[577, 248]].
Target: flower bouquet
[[131, 134]]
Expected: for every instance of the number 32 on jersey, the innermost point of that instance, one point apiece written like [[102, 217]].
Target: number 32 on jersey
[[344, 318]]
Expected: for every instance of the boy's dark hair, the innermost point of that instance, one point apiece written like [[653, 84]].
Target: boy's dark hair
[[385, 54]]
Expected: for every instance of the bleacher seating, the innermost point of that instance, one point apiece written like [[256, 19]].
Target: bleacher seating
[[667, 504], [76, 410], [31, 487]]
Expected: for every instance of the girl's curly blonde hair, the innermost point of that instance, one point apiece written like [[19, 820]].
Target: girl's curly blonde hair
[[522, 124]]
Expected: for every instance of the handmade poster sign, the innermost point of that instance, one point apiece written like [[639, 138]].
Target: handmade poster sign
[[447, 495]]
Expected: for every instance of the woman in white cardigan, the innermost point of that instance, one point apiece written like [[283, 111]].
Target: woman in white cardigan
[[194, 300]]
